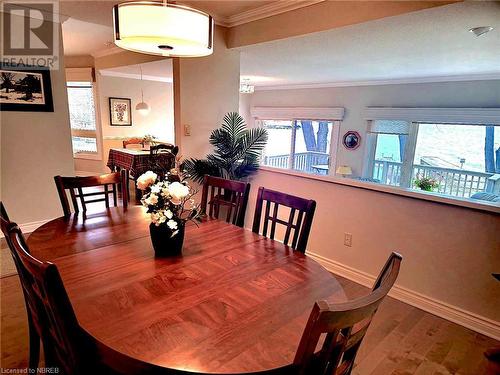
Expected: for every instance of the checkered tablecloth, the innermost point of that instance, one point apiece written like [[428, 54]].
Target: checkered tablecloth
[[135, 161]]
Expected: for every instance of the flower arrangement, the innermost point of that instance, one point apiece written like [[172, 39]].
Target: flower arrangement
[[149, 139], [426, 183], [169, 201]]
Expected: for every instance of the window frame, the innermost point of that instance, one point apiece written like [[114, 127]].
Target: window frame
[[86, 75], [415, 117], [294, 114]]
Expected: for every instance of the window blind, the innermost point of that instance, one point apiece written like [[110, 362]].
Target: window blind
[[389, 127]]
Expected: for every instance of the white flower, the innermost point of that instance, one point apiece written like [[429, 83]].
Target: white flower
[[156, 188], [154, 217], [151, 200], [146, 179], [172, 224], [177, 192], [169, 214], [164, 191]]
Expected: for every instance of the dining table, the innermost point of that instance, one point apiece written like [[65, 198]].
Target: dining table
[[135, 161], [233, 302]]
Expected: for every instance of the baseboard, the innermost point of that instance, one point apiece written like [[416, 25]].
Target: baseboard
[[29, 227], [444, 310]]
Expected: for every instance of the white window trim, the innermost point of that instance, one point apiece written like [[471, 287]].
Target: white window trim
[[333, 114], [469, 116], [87, 75]]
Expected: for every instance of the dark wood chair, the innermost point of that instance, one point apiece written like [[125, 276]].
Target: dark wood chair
[[34, 338], [133, 141], [162, 158], [66, 345], [232, 195], [75, 185], [301, 225], [344, 326]]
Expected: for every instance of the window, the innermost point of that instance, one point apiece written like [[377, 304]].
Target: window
[[82, 117], [301, 145], [454, 159]]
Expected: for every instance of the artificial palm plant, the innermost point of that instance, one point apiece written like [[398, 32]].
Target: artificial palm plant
[[236, 154]]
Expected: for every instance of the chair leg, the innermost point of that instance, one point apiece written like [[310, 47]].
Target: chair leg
[[34, 358]]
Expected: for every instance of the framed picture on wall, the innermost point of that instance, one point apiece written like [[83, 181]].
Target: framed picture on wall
[[25, 89], [120, 113]]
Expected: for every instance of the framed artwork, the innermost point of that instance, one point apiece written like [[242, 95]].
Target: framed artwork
[[351, 140], [25, 89], [120, 113]]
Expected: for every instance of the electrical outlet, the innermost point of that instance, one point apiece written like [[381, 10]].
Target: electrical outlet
[[348, 239], [187, 130]]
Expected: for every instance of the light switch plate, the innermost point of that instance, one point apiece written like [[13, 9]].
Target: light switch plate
[[187, 130]]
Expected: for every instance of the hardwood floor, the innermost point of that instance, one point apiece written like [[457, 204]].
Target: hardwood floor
[[402, 339]]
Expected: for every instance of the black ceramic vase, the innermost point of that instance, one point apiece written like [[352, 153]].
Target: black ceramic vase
[[163, 243]]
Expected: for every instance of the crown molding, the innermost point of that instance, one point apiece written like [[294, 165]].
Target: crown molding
[[375, 82], [265, 11], [145, 77]]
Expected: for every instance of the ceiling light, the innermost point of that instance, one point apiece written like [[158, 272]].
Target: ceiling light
[[142, 107], [161, 28], [478, 31], [246, 87]]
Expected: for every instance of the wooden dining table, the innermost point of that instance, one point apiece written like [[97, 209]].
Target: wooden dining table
[[234, 302]]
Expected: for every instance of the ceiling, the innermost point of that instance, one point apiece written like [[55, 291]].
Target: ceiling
[[160, 70], [425, 44], [88, 28]]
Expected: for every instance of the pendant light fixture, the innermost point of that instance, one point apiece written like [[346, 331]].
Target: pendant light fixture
[[162, 28], [142, 107]]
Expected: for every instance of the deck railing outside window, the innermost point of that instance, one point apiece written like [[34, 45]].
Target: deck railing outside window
[[453, 182]]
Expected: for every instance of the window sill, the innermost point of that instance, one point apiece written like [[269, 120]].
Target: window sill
[[87, 156], [410, 193]]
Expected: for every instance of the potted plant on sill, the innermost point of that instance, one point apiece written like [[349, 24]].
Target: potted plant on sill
[[426, 183]]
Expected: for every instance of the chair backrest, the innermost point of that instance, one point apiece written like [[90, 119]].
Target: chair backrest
[[301, 225], [133, 141], [48, 305], [75, 185], [162, 158], [336, 322], [233, 195]]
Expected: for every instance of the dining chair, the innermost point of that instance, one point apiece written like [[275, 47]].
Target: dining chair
[[232, 195], [34, 338], [133, 141], [301, 226], [162, 158], [343, 326], [75, 185], [66, 345]]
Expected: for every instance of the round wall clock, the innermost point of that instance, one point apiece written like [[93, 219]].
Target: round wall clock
[[351, 140]]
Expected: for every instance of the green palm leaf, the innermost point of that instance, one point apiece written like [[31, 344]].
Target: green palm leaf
[[236, 154]]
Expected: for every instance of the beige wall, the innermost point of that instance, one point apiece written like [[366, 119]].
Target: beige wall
[[83, 61], [36, 146], [449, 252], [321, 16], [207, 89]]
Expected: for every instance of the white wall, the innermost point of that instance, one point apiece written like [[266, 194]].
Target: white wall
[[159, 96], [449, 252], [207, 89], [36, 146]]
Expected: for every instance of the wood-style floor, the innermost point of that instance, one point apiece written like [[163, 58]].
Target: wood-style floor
[[401, 340]]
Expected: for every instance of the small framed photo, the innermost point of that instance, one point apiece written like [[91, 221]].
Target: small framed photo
[[120, 113], [25, 89], [351, 140]]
